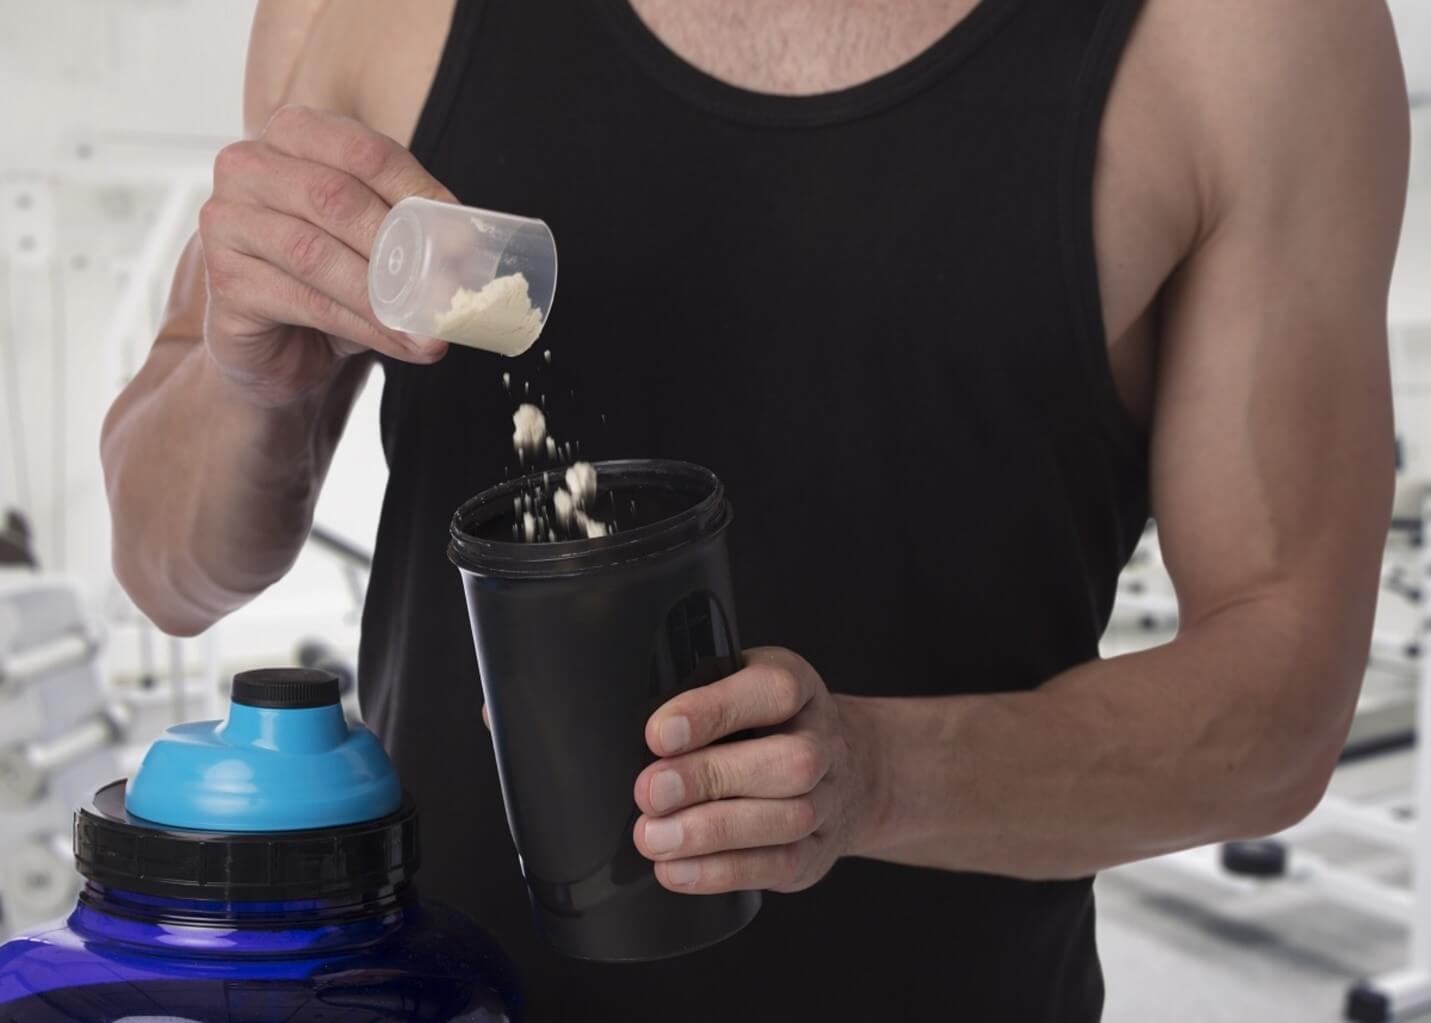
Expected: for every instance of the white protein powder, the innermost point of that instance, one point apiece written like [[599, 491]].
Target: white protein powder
[[500, 318], [581, 481], [529, 428], [595, 529], [562, 502], [590, 526]]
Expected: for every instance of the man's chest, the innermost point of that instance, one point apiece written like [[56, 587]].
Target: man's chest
[[1143, 211]]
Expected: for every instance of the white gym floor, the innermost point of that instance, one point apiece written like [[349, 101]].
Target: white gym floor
[[1178, 949]]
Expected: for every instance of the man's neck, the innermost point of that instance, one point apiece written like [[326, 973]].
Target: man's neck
[[799, 47]]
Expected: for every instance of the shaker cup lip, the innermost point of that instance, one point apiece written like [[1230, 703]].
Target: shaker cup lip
[[708, 514]]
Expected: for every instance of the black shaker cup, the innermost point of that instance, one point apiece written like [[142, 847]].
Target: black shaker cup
[[578, 642]]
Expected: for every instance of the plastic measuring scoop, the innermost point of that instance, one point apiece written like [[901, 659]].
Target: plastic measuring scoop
[[472, 277]]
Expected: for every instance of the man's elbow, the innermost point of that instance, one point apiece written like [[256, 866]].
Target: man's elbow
[[1293, 792], [159, 600]]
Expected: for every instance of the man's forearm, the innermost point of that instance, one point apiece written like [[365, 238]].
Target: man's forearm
[[1114, 760], [211, 495]]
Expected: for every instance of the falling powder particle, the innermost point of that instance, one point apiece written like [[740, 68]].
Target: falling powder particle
[[530, 428], [595, 529], [507, 381], [548, 356], [499, 318], [581, 481], [564, 506], [551, 448], [527, 387], [529, 526]]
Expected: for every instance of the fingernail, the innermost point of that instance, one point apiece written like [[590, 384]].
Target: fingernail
[[426, 345], [663, 835], [675, 733], [683, 872], [667, 791]]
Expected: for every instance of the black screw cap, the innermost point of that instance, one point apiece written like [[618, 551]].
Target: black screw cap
[[286, 688]]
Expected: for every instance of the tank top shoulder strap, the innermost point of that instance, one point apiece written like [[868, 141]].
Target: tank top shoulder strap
[[1109, 24], [446, 86]]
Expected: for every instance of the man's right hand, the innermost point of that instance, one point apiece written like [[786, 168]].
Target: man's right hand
[[286, 237]]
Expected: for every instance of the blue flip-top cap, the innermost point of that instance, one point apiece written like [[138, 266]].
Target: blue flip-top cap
[[285, 759]]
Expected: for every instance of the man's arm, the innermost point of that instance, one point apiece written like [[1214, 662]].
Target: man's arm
[[215, 452], [1272, 469]]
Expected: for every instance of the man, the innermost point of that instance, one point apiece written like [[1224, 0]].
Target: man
[[951, 295]]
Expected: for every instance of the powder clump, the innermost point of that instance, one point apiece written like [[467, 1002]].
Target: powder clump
[[500, 318], [529, 428], [581, 481], [564, 506]]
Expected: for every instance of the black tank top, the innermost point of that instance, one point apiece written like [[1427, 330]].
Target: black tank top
[[875, 314]]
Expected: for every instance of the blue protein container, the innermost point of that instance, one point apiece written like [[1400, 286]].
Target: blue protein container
[[256, 869]]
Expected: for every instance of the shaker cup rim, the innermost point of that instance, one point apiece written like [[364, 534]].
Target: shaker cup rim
[[708, 514]]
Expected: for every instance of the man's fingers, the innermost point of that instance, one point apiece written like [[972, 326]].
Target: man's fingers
[[383, 165], [274, 297], [770, 690], [733, 824], [333, 199], [305, 252], [771, 767], [323, 266], [784, 868]]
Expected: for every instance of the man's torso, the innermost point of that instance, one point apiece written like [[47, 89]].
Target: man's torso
[[375, 62]]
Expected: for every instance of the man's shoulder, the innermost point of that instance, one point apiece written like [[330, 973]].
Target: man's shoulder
[[1253, 90], [1237, 65], [368, 59], [277, 45]]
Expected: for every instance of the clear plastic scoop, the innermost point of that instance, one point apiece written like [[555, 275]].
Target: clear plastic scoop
[[472, 277]]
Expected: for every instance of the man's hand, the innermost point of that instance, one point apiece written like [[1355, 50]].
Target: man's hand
[[774, 810], [286, 237]]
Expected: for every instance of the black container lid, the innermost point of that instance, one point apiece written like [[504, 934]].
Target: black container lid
[[286, 688], [118, 850]]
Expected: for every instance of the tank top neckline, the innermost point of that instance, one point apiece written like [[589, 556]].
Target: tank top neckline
[[734, 102]]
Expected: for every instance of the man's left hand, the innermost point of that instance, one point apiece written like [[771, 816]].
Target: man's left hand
[[775, 811]]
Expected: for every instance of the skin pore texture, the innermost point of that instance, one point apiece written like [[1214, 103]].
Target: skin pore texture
[[1251, 172]]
